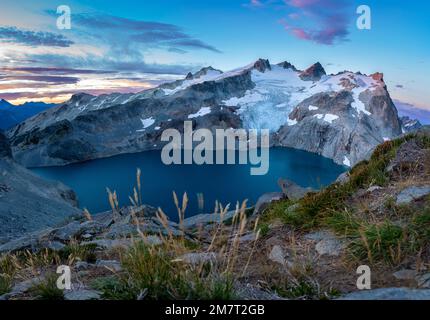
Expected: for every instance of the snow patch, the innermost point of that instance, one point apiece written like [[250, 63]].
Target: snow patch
[[327, 118], [312, 108], [211, 75], [146, 123], [291, 122], [346, 162], [249, 98], [202, 112], [330, 117]]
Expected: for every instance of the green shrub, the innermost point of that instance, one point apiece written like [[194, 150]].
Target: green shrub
[[47, 289]]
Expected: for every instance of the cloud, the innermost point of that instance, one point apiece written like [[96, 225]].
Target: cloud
[[114, 64], [51, 70], [33, 38], [321, 21], [46, 79], [106, 54], [116, 30], [256, 3]]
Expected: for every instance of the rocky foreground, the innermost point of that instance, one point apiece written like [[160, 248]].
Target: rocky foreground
[[296, 244]]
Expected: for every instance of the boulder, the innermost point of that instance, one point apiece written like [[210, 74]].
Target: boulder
[[277, 254], [291, 190], [326, 243], [413, 193], [82, 294], [388, 294], [266, 199], [203, 219], [405, 274]]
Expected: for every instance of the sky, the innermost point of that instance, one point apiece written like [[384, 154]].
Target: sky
[[130, 45]]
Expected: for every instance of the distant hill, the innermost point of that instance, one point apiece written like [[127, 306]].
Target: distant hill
[[413, 112], [11, 115]]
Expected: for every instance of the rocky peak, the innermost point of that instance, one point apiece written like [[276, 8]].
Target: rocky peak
[[189, 76], [205, 71], [5, 104], [80, 97], [313, 73], [287, 65], [409, 125], [377, 76], [4, 146], [262, 65]]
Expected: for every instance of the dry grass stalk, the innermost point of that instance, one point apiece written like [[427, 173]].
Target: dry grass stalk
[[87, 215]]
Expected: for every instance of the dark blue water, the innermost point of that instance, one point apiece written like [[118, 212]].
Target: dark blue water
[[225, 183]]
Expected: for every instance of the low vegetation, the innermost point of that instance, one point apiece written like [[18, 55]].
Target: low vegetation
[[389, 236]]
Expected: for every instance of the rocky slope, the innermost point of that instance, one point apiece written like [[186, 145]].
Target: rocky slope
[[27, 202], [341, 116]]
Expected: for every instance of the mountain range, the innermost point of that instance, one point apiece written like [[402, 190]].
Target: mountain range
[[341, 116], [11, 115]]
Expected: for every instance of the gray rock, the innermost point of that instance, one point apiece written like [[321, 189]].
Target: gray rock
[[373, 189], [248, 237], [110, 243], [109, 264], [412, 193], [198, 258], [388, 294], [327, 243], [76, 229], [411, 156], [405, 274], [410, 125], [319, 235], [424, 281], [247, 291], [31, 241], [53, 245], [203, 219], [21, 288], [82, 265], [265, 200], [122, 243], [82, 294], [277, 255], [343, 178], [330, 247], [292, 190]]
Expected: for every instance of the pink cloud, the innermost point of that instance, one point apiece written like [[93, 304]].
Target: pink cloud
[[302, 3], [256, 3], [321, 21]]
